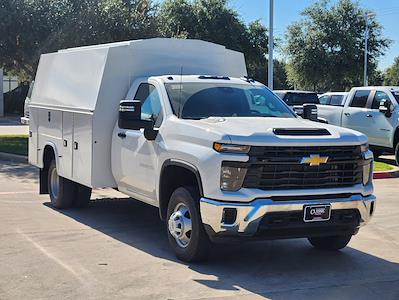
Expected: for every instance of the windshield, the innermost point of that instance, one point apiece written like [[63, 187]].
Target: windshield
[[194, 100], [301, 98]]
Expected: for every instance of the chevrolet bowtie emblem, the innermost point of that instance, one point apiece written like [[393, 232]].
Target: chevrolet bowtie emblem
[[314, 160]]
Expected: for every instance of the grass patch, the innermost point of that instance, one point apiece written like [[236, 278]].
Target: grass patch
[[15, 144], [380, 166]]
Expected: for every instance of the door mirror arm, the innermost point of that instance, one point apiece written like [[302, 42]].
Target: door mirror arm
[[150, 133]]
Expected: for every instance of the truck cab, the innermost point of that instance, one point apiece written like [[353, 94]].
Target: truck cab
[[373, 111]]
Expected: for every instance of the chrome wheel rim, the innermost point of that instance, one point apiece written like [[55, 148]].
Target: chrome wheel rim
[[180, 225], [54, 183]]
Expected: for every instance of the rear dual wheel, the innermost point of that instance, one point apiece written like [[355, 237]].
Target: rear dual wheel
[[65, 193]]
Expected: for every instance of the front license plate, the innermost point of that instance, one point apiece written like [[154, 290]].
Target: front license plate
[[317, 213]]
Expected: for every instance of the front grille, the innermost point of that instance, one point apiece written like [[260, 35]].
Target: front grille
[[273, 168]]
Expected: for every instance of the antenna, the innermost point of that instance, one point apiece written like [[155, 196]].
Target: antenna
[[180, 92]]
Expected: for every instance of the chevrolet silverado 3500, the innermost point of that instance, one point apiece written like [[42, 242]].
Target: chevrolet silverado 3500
[[177, 124]]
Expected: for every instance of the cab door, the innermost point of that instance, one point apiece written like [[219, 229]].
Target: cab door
[[356, 115], [138, 163], [380, 128]]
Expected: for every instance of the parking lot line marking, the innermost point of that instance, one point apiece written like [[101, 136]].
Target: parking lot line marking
[[19, 192], [50, 256]]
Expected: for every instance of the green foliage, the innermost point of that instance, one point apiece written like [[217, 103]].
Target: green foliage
[[15, 144], [392, 74], [325, 49], [214, 21], [32, 27]]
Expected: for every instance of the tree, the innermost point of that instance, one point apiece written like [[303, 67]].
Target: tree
[[214, 21], [326, 48], [32, 27], [392, 74]]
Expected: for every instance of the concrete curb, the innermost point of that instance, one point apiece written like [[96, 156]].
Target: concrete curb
[[386, 174], [13, 157]]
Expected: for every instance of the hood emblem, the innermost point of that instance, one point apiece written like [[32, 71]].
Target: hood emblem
[[314, 160]]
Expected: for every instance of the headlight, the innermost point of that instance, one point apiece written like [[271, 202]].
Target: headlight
[[367, 172], [231, 148], [232, 178], [368, 163]]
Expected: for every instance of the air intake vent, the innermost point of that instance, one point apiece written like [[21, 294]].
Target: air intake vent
[[301, 131]]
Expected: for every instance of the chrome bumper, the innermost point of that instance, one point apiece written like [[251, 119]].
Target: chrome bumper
[[250, 214]]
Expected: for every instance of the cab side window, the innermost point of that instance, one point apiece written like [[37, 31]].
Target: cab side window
[[151, 108], [360, 98], [377, 99], [324, 100]]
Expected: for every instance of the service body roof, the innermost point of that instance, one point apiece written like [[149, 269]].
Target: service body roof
[[80, 78]]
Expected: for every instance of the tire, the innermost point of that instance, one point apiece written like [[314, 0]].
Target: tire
[[183, 209], [83, 194], [61, 190], [330, 242], [397, 154], [377, 153]]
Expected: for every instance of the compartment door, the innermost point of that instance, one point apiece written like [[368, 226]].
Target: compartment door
[[67, 141], [82, 148], [33, 136]]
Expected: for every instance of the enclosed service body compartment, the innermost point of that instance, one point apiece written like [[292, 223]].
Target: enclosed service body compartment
[[77, 91]]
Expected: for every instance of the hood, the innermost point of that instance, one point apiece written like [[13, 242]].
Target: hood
[[260, 131]]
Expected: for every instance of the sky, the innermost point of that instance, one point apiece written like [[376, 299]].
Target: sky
[[288, 11]]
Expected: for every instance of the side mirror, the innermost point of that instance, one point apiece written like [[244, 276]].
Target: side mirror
[[386, 107], [310, 112], [130, 118]]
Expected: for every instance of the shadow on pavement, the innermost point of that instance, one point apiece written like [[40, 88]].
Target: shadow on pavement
[[263, 268], [19, 170]]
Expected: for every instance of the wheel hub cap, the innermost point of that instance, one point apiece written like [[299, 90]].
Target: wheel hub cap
[[179, 225]]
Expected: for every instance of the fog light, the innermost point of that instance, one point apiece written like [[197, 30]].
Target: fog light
[[229, 216], [231, 178]]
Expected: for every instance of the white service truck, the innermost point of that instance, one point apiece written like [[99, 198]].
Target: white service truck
[[176, 124], [372, 110]]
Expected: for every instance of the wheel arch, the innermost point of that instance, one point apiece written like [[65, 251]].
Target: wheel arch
[[174, 174], [395, 137]]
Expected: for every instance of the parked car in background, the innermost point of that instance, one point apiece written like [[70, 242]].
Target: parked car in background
[[293, 98], [373, 111], [333, 98], [25, 117], [14, 100], [297, 100]]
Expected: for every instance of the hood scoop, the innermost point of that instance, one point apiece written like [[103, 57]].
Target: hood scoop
[[301, 131]]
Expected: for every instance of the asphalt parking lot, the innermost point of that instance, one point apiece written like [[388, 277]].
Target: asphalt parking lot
[[117, 248]]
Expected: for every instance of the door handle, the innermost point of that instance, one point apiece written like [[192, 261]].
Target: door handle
[[369, 116], [347, 114], [122, 135]]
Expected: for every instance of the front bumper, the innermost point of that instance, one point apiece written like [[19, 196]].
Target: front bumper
[[247, 217]]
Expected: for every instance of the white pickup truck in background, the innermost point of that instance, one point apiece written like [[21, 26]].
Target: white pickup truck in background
[[373, 111], [176, 124]]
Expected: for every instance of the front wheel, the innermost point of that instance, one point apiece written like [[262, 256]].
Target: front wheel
[[330, 242], [186, 232], [397, 154]]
